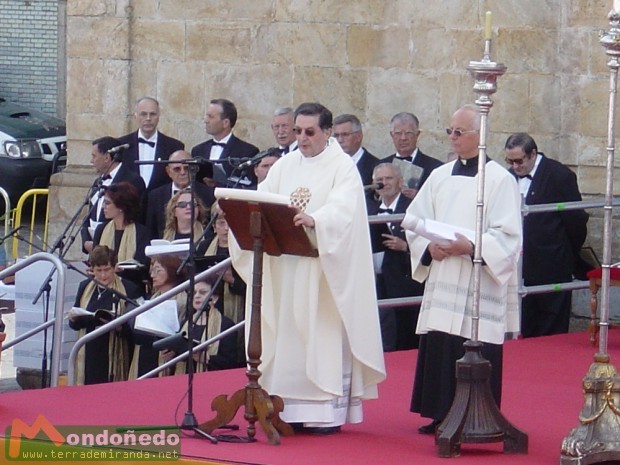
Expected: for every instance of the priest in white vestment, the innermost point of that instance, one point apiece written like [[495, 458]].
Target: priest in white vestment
[[449, 196], [322, 350]]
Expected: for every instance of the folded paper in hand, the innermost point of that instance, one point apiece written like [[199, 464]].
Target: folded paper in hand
[[161, 320], [99, 314], [435, 231], [162, 246]]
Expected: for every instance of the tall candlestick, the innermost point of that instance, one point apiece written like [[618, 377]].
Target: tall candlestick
[[617, 5], [487, 28]]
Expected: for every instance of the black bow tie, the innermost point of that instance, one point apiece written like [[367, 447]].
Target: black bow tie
[[106, 177], [386, 210], [285, 150], [404, 158], [219, 144], [147, 142], [526, 176]]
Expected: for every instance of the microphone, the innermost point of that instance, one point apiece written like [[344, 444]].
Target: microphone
[[10, 234], [118, 148], [258, 157], [376, 186]]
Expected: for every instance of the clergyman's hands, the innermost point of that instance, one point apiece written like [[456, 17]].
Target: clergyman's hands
[[460, 246], [301, 218]]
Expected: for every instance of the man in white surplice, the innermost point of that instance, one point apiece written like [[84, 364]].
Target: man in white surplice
[[322, 349], [449, 196]]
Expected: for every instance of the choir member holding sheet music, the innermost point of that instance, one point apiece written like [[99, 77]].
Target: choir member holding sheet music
[[107, 358], [164, 276]]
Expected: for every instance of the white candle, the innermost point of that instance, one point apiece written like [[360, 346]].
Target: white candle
[[617, 5], [487, 25]]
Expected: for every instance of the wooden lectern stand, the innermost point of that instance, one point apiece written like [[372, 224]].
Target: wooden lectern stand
[[263, 228]]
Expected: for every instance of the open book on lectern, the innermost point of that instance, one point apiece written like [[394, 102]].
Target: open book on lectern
[[280, 235]]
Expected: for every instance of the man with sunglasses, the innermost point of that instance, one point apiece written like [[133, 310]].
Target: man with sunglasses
[[405, 130], [551, 240], [445, 322], [322, 350], [158, 198]]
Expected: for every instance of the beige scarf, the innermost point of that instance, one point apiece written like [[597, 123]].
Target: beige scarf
[[234, 305], [214, 324], [118, 348], [169, 234], [127, 247]]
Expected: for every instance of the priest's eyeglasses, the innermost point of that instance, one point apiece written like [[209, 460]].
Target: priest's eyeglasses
[[458, 132], [309, 131]]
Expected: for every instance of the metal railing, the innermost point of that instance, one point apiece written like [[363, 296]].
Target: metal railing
[[56, 321], [523, 290], [382, 303]]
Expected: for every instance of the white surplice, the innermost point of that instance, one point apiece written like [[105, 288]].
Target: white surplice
[[448, 295]]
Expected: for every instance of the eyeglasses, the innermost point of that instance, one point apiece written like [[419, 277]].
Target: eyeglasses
[[516, 161], [179, 169], [407, 134], [459, 132], [107, 202], [338, 135], [309, 131], [155, 270], [185, 204]]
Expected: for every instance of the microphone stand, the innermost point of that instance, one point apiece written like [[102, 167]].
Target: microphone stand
[[189, 420]]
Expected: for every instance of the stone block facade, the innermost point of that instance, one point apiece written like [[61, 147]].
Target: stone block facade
[[366, 57]]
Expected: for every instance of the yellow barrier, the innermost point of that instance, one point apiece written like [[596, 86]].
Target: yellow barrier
[[33, 195]]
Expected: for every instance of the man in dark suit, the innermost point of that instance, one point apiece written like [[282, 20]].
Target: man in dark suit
[[148, 144], [220, 120], [158, 198], [405, 132], [392, 261], [282, 126], [348, 133], [107, 163], [551, 240]]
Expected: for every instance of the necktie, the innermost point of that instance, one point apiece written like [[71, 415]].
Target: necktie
[[106, 177], [404, 158], [147, 142], [526, 176], [386, 210], [285, 150], [219, 144]]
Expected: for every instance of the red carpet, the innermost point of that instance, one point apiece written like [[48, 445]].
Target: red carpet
[[542, 396]]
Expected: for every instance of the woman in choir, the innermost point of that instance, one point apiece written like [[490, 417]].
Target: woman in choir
[[165, 275], [121, 207], [208, 323]]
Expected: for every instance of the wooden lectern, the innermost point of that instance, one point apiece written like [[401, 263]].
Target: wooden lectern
[[263, 228]]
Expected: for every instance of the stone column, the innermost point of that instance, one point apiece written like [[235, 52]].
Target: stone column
[[98, 64]]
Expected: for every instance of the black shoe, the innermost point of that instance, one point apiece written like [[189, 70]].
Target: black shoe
[[430, 428], [323, 430], [297, 427]]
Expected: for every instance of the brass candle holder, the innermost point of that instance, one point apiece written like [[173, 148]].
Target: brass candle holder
[[474, 416], [597, 438]]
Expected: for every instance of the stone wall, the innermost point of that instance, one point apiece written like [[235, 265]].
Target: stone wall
[[28, 53], [366, 57]]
